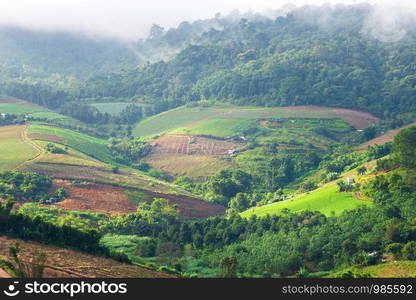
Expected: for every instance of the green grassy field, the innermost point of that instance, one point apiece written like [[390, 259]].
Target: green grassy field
[[215, 127], [114, 107], [326, 200], [14, 151], [89, 145], [13, 108], [185, 116]]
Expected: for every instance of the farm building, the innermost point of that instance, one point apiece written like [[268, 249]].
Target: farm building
[[350, 180]]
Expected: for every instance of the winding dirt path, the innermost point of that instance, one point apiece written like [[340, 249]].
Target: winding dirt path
[[27, 140], [4, 274]]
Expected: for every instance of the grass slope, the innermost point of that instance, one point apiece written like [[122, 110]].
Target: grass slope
[[326, 200], [14, 150], [393, 269]]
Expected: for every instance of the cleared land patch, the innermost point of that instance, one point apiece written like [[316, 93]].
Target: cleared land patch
[[65, 263], [194, 157], [189, 145], [188, 117], [114, 199], [382, 139], [358, 119], [86, 144], [392, 269]]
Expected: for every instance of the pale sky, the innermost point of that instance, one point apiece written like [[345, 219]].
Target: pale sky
[[131, 19]]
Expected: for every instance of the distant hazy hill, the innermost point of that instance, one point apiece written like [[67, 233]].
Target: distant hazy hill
[[25, 53]]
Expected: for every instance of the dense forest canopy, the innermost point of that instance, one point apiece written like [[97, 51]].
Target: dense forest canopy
[[335, 56]]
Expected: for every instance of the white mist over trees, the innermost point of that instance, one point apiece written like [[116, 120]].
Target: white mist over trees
[[129, 20]]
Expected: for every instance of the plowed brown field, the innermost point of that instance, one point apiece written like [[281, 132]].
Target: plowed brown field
[[382, 139]]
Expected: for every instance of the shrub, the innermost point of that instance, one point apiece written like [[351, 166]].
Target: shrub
[[409, 251]]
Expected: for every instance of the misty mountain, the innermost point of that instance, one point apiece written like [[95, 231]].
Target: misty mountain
[[314, 55], [345, 56]]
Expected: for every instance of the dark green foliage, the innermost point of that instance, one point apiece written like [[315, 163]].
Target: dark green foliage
[[128, 150], [52, 148], [404, 147]]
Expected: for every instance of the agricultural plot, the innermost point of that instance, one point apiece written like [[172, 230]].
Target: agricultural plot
[[118, 200], [34, 112], [17, 109], [392, 269], [296, 129], [194, 157], [196, 167], [214, 127], [382, 139], [65, 263], [14, 150], [327, 200], [10, 105], [199, 119]]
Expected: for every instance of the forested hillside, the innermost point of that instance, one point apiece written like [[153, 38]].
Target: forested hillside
[[313, 55]]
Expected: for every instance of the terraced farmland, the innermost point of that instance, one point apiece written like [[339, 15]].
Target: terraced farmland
[[227, 120], [114, 108], [89, 145], [65, 263]]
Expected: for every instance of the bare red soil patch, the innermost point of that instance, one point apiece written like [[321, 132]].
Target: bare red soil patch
[[382, 139], [46, 137], [113, 199], [64, 263], [168, 145], [356, 118]]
